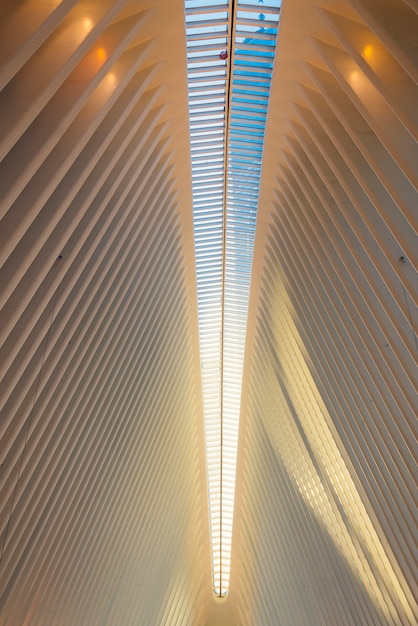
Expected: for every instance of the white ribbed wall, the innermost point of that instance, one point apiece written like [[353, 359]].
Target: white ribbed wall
[[103, 492], [103, 505], [326, 517]]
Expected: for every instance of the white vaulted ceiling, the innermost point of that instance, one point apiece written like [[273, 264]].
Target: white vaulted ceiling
[[103, 502]]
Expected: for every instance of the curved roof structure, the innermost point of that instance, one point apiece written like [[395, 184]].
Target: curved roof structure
[[104, 516]]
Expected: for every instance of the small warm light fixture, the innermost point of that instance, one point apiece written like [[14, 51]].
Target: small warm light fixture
[[368, 51], [87, 24], [111, 79], [355, 78], [101, 54]]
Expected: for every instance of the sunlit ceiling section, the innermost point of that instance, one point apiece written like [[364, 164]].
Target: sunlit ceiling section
[[230, 59], [326, 511]]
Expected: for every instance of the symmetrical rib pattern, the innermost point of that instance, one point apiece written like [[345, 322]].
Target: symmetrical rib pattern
[[327, 510], [103, 503], [103, 507], [230, 53]]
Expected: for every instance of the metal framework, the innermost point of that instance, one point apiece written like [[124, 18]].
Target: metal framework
[[230, 49]]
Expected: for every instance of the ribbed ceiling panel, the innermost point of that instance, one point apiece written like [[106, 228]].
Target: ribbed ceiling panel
[[103, 498], [326, 516], [103, 504]]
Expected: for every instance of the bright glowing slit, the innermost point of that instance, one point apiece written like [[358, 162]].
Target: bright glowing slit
[[230, 53]]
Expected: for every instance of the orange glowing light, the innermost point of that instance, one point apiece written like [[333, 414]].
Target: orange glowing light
[[101, 54], [111, 79], [87, 24], [355, 77], [368, 52]]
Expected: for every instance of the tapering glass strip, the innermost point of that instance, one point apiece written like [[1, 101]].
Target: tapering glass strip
[[229, 77]]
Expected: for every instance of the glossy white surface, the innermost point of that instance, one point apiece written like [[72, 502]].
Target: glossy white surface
[[103, 502]]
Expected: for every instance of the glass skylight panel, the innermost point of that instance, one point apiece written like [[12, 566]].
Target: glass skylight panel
[[229, 78]]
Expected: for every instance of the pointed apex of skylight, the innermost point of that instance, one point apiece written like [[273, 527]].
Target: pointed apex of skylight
[[230, 54]]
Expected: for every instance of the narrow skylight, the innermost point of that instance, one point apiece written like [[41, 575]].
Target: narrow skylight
[[230, 53]]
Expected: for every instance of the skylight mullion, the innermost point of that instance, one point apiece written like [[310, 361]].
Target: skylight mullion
[[250, 63], [213, 44], [242, 167], [244, 91], [238, 141], [202, 157], [209, 88], [207, 204], [212, 175], [202, 93], [214, 81], [210, 71], [209, 183], [270, 6], [250, 154], [202, 20], [248, 46], [204, 112], [195, 140], [260, 100], [251, 110], [247, 31], [207, 111], [201, 57]]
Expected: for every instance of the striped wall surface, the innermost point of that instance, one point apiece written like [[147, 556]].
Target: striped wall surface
[[326, 519], [103, 503], [103, 496]]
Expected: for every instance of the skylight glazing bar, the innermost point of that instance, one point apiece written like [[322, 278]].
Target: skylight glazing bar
[[229, 76]]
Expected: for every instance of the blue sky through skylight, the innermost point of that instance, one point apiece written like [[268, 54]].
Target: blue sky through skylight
[[229, 78]]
